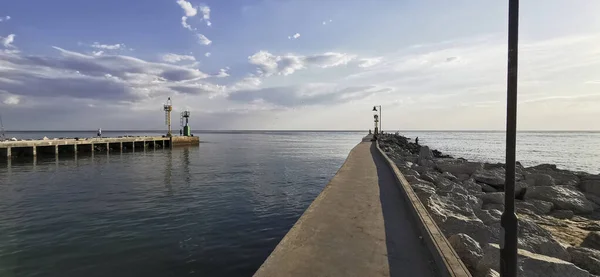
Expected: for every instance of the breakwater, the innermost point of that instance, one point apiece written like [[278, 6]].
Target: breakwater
[[557, 210]]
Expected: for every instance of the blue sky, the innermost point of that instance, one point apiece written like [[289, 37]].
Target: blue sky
[[285, 64]]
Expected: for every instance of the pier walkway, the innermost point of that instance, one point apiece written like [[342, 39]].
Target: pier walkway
[[360, 225], [31, 148]]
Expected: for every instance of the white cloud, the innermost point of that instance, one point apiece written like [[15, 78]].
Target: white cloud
[[222, 73], [269, 64], [368, 62], [7, 41], [174, 58], [185, 24], [6, 18], [205, 14], [329, 21], [97, 53], [187, 8], [12, 100], [202, 39], [108, 46], [207, 54], [295, 36]]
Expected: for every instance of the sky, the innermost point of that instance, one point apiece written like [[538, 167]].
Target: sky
[[296, 64]]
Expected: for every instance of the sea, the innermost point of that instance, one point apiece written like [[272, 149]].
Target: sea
[[217, 209]]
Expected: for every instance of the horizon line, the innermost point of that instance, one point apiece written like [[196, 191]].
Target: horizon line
[[301, 130]]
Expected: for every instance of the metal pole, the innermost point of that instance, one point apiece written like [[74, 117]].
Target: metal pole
[[508, 252], [380, 120]]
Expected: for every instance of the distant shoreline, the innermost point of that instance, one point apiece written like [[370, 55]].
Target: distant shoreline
[[305, 131]]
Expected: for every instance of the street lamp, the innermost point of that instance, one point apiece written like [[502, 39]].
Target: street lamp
[[508, 249], [375, 110]]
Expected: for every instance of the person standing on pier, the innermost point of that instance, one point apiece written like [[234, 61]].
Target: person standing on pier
[[100, 132]]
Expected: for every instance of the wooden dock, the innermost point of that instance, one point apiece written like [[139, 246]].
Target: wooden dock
[[33, 148]]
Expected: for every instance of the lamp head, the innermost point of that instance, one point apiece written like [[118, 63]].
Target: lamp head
[[374, 108]]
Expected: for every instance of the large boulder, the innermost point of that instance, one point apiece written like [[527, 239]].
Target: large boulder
[[492, 177], [450, 177], [591, 186], [563, 197], [454, 214], [536, 239], [563, 214], [489, 217], [467, 249], [536, 206], [456, 166], [493, 198], [561, 177], [488, 188], [423, 190], [471, 185], [540, 179], [425, 154], [530, 264], [592, 197], [586, 258], [430, 176], [592, 240]]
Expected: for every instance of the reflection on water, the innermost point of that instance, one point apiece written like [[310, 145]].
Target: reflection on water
[[214, 210]]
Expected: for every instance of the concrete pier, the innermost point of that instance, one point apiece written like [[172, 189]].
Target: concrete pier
[[359, 225], [33, 148]]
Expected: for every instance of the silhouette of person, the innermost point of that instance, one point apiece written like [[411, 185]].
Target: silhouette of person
[[417, 140]]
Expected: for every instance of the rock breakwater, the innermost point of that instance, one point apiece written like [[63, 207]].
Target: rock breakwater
[[558, 210]]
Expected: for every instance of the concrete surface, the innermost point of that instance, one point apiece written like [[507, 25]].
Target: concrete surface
[[447, 261], [358, 226]]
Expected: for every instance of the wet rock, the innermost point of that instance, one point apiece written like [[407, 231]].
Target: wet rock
[[458, 166], [536, 206], [493, 177], [530, 264], [467, 249], [563, 214], [493, 198], [536, 239], [540, 179], [563, 197], [586, 258], [592, 241]]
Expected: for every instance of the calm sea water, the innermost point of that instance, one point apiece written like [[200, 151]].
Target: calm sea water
[[568, 150], [214, 210]]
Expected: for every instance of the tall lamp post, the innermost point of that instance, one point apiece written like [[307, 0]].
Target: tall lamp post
[[375, 110], [508, 251]]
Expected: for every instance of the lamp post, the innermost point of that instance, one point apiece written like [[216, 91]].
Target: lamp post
[[375, 110], [508, 248]]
